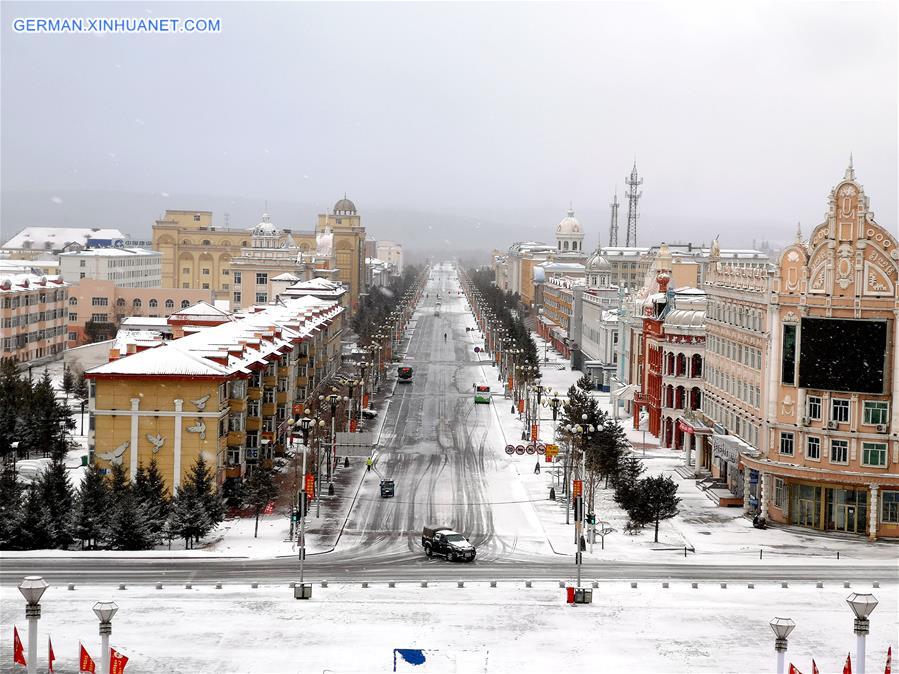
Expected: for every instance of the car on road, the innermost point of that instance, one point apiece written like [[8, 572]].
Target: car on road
[[404, 374], [445, 542], [369, 413], [387, 489], [482, 394]]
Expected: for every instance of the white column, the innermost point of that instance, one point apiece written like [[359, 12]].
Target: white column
[[747, 471], [872, 513], [32, 640], [176, 450], [688, 445], [763, 488], [104, 653], [132, 468]]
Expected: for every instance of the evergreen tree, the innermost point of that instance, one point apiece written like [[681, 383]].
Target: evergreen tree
[[81, 389], [189, 519], [33, 531], [119, 484], [10, 508], [609, 445], [43, 422], [202, 482], [627, 482], [659, 495], [258, 490], [55, 489], [585, 383], [91, 514], [128, 528], [152, 494], [68, 380], [14, 399]]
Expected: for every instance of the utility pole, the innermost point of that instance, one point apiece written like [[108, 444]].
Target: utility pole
[[633, 196]]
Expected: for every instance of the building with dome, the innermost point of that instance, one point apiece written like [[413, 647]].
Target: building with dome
[[570, 235], [344, 224]]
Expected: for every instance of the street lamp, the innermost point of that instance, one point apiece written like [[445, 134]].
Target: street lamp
[[782, 628], [32, 588], [105, 610], [862, 605], [305, 425]]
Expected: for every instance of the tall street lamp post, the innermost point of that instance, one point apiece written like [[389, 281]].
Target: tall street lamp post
[[862, 605], [32, 588], [105, 610], [305, 425], [782, 628], [333, 401]]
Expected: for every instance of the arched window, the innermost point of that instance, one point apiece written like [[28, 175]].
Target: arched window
[[73, 301], [136, 303], [206, 242], [185, 304], [169, 304], [564, 245], [120, 302], [153, 304], [186, 242]]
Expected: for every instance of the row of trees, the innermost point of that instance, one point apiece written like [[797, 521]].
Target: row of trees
[[607, 461], [107, 511], [375, 307], [504, 305], [31, 416]]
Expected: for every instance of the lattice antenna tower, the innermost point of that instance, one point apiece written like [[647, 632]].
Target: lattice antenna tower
[[613, 225], [633, 196]]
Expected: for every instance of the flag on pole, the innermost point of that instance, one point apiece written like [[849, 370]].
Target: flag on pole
[[117, 662], [86, 662], [50, 656], [847, 668], [793, 669], [814, 667], [18, 652], [889, 666]]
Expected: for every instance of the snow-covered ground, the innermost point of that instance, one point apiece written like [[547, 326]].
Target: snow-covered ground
[[477, 628]]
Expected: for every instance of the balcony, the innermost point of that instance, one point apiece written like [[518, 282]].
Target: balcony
[[238, 405], [268, 409], [282, 397], [232, 471], [253, 423], [302, 381], [254, 394], [236, 438], [270, 382]]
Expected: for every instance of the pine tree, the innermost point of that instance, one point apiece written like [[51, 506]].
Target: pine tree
[[55, 489], [189, 518], [44, 423], [201, 480], [81, 389], [91, 514], [152, 494], [68, 380], [659, 494], [585, 383], [627, 482], [11, 511], [118, 482], [128, 528], [610, 443], [258, 490], [33, 533], [14, 399]]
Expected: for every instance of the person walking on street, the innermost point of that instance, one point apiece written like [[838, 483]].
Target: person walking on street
[[368, 463], [537, 468]]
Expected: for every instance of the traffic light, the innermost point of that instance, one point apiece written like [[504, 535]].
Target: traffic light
[[591, 518]]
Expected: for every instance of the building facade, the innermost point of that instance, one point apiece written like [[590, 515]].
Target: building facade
[[391, 253], [344, 225], [833, 381], [125, 267], [32, 317]]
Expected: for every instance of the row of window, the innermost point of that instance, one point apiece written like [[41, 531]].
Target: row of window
[[874, 412], [735, 314], [874, 454], [748, 392], [740, 353], [30, 299], [37, 317], [18, 341], [136, 302], [735, 423], [889, 501]]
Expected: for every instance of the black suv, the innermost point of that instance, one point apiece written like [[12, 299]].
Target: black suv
[[448, 543]]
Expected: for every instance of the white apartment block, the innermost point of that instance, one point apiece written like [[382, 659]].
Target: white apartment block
[[125, 267]]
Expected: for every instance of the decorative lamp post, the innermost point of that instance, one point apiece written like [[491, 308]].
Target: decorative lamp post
[[305, 425], [333, 401], [105, 610], [782, 628], [363, 366], [862, 605], [32, 588]]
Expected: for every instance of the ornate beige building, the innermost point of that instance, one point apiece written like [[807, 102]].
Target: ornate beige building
[[348, 245]]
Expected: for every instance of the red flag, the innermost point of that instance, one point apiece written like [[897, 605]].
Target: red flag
[[51, 657], [814, 667], [847, 668], [117, 662], [18, 652], [889, 668], [793, 669], [86, 662]]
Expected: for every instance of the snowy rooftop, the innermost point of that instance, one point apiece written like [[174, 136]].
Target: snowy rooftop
[[38, 237], [13, 283], [111, 252]]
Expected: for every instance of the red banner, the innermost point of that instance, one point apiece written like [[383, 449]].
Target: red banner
[[847, 668], [310, 485], [889, 666], [297, 409], [18, 651], [510, 383], [534, 432], [117, 662], [365, 401], [51, 656], [86, 662], [353, 425], [578, 488], [520, 405]]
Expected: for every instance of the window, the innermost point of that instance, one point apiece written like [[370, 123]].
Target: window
[[185, 270], [839, 410], [813, 449], [185, 285], [169, 304], [99, 301], [874, 454], [226, 272], [261, 278], [252, 408], [136, 303], [73, 336], [237, 277], [205, 286], [839, 451], [813, 407], [788, 361], [120, 302], [206, 242], [237, 297], [73, 301], [99, 318], [261, 298], [889, 507], [780, 494], [153, 304], [197, 218], [876, 412], [205, 271], [73, 317], [786, 444]]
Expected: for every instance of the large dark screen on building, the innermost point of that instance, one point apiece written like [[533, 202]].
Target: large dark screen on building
[[842, 355]]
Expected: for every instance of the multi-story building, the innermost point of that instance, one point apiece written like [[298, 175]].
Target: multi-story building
[[830, 458], [125, 267], [225, 389], [594, 331], [96, 308], [32, 316], [628, 265], [391, 253], [33, 243], [558, 307], [344, 226]]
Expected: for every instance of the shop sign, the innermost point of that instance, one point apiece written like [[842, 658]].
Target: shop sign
[[722, 448], [684, 426]]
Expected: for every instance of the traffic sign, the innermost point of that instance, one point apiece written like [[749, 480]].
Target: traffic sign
[[578, 488], [531, 449], [510, 449], [541, 448], [310, 485], [552, 450], [520, 450], [477, 349]]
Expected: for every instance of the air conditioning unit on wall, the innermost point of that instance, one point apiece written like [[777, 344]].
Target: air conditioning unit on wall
[[881, 428], [805, 421], [832, 425]]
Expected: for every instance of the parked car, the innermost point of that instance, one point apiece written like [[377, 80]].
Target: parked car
[[368, 413], [443, 541]]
